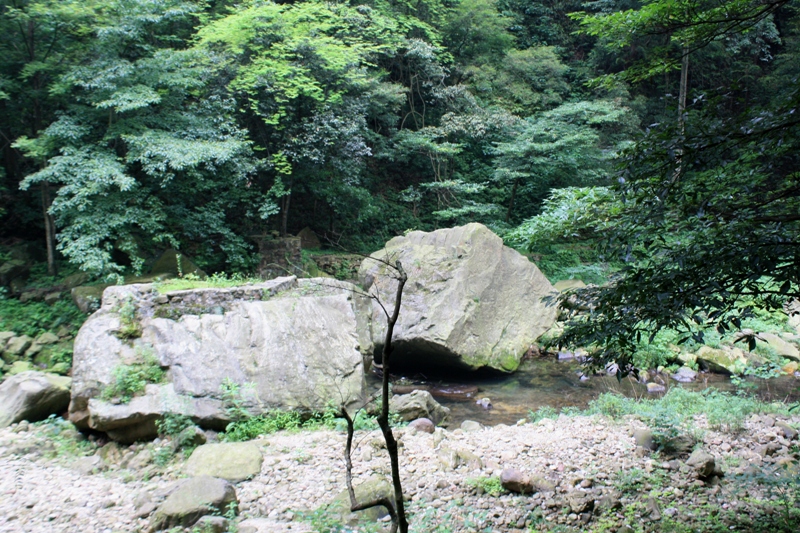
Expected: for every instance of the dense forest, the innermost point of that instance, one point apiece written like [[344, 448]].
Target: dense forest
[[654, 139]]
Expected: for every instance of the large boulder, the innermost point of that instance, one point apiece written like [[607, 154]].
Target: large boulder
[[284, 343], [32, 396], [723, 361], [470, 302]]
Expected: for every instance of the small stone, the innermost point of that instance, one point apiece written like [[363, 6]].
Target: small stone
[[469, 426], [701, 462], [424, 425], [655, 388], [514, 480], [788, 432]]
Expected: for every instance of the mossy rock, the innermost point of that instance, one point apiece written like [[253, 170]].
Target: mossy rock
[[373, 488]]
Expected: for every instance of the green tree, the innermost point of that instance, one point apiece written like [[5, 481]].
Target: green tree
[[147, 153], [709, 225]]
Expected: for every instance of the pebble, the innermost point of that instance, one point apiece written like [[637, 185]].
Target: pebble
[[576, 455]]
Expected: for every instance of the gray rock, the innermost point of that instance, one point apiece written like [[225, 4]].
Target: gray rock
[[470, 302], [425, 425], [87, 298], [580, 502], [296, 342], [730, 361], [88, 465], [655, 388], [18, 367], [46, 338], [789, 433], [701, 462], [52, 297], [11, 270], [684, 375], [5, 336], [514, 480], [212, 524], [194, 498], [782, 347], [191, 436], [418, 404], [233, 461], [17, 346], [33, 396], [470, 426]]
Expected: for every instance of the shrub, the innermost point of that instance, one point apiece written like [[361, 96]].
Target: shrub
[[132, 379]]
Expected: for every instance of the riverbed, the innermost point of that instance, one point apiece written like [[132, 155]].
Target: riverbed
[[547, 382]]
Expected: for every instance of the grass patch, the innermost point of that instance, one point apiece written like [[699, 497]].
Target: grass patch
[[130, 380], [490, 485], [219, 280], [274, 421], [66, 440], [678, 406]]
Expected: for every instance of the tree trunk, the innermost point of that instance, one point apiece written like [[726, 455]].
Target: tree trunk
[[49, 230], [684, 88], [511, 202], [287, 199]]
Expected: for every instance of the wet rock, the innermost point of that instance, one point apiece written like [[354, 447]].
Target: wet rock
[[485, 403], [655, 388], [418, 404], [684, 375], [232, 461], [191, 500]]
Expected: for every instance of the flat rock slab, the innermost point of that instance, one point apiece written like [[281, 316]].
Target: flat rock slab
[[33, 396], [232, 461], [193, 499]]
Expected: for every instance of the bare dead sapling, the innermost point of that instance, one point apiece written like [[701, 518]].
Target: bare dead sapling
[[395, 508]]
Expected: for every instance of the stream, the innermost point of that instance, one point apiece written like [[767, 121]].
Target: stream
[[547, 382]]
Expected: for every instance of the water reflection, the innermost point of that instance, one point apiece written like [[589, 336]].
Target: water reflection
[[546, 382]]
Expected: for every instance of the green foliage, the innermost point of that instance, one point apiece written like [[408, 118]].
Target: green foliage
[[490, 485], [541, 413], [273, 421], [34, 318], [568, 214], [129, 323], [171, 425], [67, 441], [132, 379], [216, 281], [676, 408]]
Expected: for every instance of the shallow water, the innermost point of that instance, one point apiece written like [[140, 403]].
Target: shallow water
[[546, 382]]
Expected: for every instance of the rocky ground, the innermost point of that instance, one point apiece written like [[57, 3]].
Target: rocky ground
[[588, 473]]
